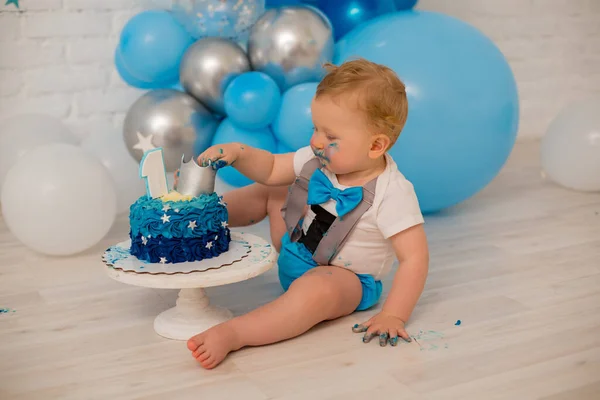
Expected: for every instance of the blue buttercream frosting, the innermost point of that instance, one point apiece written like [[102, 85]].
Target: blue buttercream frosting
[[178, 250], [179, 231]]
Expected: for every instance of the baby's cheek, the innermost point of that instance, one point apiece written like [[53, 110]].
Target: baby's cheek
[[332, 150]]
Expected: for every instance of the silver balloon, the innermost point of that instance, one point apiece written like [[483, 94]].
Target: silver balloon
[[207, 68], [290, 44], [169, 119]]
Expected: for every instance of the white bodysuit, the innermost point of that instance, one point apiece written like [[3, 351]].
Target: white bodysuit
[[395, 208]]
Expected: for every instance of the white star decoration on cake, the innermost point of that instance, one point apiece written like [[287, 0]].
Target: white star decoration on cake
[[165, 218], [224, 224], [166, 207], [144, 240], [192, 224], [144, 143], [163, 260], [209, 245]]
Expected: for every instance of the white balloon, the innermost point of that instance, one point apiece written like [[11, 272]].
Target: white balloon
[[570, 150], [22, 133], [58, 200], [109, 148]]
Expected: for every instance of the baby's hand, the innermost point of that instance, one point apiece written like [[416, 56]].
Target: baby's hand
[[220, 155], [386, 326]]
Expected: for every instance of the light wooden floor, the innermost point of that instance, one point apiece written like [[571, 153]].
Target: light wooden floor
[[518, 264]]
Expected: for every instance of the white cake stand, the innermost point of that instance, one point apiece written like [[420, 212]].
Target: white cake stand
[[248, 257]]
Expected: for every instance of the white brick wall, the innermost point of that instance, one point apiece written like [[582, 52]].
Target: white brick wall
[[56, 56]]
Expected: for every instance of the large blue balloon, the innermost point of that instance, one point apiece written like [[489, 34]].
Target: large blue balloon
[[346, 15], [252, 100], [227, 132], [151, 46], [463, 102], [405, 4], [293, 126], [282, 149]]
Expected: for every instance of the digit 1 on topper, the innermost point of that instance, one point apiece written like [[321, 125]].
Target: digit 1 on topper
[[152, 169]]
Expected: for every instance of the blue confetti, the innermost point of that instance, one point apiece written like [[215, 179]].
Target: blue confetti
[[458, 322]]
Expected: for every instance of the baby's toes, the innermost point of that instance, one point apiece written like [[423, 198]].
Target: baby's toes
[[203, 356], [199, 351], [193, 344], [211, 364], [208, 362]]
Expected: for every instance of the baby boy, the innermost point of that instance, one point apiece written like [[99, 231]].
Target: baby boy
[[348, 212]]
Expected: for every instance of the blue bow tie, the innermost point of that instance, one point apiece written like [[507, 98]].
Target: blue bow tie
[[320, 190]]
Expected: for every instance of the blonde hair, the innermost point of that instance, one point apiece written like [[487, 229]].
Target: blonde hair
[[381, 94]]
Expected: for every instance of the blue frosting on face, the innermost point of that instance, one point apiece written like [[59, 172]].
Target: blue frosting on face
[[179, 230]]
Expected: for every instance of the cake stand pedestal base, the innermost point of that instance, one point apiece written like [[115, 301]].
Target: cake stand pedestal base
[[192, 314], [248, 257]]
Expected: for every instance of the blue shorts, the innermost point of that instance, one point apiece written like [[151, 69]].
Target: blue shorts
[[295, 259]]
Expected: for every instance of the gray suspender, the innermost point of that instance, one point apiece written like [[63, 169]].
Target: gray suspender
[[295, 204]]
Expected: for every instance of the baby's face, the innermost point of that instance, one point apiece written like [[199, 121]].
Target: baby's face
[[341, 137]]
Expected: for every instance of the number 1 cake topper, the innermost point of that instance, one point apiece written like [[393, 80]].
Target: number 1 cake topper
[[152, 169], [195, 180]]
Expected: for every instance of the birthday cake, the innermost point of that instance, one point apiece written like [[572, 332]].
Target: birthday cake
[[187, 224]]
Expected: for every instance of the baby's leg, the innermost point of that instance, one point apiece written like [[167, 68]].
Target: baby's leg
[[251, 204], [323, 293], [247, 205]]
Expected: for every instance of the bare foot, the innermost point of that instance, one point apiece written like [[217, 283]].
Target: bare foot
[[211, 347]]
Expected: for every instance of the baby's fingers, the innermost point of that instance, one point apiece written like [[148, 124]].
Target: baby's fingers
[[204, 160], [383, 338], [360, 328], [371, 333], [393, 338], [404, 335]]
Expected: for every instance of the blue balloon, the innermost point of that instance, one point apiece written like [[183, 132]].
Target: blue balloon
[[404, 4], [132, 81], [252, 100], [462, 95], [293, 125], [151, 46], [346, 15], [227, 132], [177, 86], [282, 149]]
